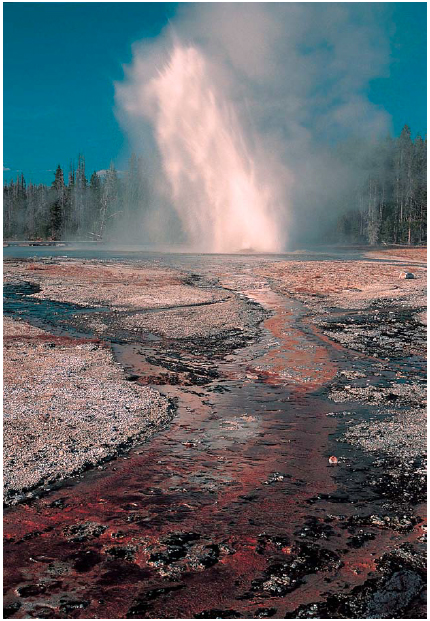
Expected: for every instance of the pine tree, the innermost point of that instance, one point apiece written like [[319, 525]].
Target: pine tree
[[81, 197], [18, 207], [94, 204], [109, 200], [419, 197], [31, 212], [58, 205], [7, 210], [403, 187]]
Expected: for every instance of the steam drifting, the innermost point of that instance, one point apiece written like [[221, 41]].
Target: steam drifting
[[214, 183], [252, 119]]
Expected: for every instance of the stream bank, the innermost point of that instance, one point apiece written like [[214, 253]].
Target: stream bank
[[236, 493]]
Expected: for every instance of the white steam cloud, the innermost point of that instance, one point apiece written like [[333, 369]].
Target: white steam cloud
[[253, 119], [214, 183]]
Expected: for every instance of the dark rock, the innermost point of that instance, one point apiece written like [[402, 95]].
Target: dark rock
[[126, 553], [390, 595], [169, 555], [264, 613], [338, 497], [395, 595], [275, 477], [144, 602], [403, 557], [30, 590], [43, 612], [283, 577], [33, 535], [358, 540], [83, 532], [249, 497], [173, 547], [276, 541], [400, 481], [60, 503], [402, 523], [206, 556], [85, 560], [216, 613], [318, 610], [11, 609], [70, 605], [180, 538], [314, 529], [118, 534]]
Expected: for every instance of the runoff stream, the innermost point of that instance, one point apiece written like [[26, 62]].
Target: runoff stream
[[231, 511]]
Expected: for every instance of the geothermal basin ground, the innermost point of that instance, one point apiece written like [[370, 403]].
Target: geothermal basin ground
[[168, 426]]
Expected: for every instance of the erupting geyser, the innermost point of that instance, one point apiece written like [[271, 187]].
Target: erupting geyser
[[224, 201]]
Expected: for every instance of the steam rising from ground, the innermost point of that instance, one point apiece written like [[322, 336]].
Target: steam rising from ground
[[254, 120], [222, 204]]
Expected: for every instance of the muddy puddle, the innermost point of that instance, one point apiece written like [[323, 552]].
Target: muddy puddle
[[234, 510]]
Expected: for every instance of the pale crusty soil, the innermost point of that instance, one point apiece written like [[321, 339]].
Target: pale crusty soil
[[67, 405], [401, 435], [360, 285], [182, 309], [349, 284], [117, 285], [403, 254], [70, 406], [179, 323], [12, 327]]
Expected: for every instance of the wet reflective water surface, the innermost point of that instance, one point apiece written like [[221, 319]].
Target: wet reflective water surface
[[233, 511]]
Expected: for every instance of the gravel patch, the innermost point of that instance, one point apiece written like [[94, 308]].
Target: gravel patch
[[117, 285], [123, 296], [366, 307], [67, 409], [401, 435], [201, 321], [18, 328], [322, 285], [400, 394]]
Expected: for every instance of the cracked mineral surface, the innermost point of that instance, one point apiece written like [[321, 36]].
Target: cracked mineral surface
[[245, 373]]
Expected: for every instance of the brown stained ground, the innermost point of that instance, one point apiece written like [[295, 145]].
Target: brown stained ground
[[203, 444], [307, 365], [243, 468], [404, 254], [354, 284], [349, 285], [67, 405], [99, 284]]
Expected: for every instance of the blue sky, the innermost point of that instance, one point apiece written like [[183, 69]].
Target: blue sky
[[61, 61]]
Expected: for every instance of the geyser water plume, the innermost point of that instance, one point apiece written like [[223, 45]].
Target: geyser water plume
[[253, 120], [220, 195]]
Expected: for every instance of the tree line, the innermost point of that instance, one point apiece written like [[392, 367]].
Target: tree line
[[388, 207], [391, 205], [78, 209]]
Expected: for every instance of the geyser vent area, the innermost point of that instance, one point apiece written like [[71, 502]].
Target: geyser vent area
[[215, 187]]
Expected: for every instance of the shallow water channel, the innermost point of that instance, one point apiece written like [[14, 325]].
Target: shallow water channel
[[230, 511]]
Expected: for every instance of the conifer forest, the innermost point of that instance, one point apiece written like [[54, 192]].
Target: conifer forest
[[387, 207]]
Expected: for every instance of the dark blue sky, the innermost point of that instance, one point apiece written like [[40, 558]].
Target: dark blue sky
[[61, 61]]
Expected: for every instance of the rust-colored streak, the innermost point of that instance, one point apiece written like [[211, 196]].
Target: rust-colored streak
[[238, 469]]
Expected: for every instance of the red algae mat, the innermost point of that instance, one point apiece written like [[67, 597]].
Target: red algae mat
[[233, 511]]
